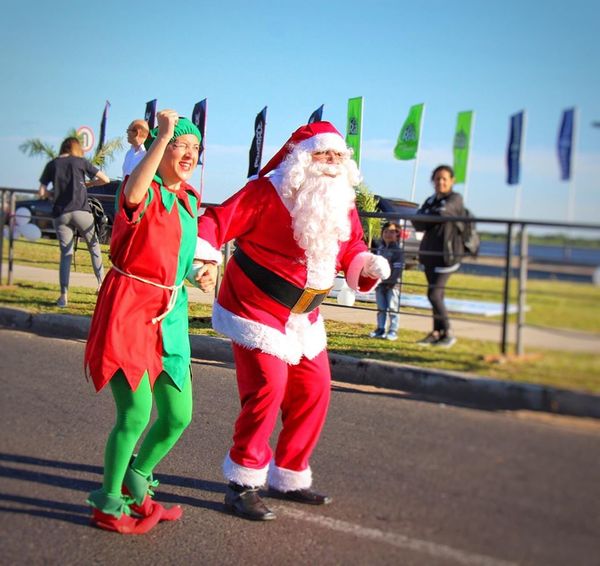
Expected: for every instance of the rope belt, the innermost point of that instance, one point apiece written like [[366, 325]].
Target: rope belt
[[173, 288]]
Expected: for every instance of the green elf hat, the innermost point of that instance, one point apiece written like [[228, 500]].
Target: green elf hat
[[183, 126]]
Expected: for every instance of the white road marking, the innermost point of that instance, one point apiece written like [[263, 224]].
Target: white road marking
[[395, 539]]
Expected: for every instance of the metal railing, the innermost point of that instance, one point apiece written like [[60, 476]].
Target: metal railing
[[515, 231]]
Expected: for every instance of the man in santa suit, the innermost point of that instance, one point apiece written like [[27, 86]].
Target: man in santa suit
[[294, 230]]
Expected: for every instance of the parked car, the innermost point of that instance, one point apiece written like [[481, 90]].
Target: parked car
[[410, 239], [102, 202]]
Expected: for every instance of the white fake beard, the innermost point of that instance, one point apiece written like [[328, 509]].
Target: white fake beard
[[319, 209]]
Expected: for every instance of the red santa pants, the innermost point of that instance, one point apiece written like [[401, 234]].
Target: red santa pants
[[267, 384]]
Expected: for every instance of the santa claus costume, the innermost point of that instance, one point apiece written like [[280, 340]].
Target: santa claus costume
[[293, 231]]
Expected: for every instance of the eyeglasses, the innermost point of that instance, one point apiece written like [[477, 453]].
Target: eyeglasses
[[134, 130], [185, 147]]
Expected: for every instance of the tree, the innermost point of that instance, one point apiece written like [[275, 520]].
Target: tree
[[366, 201], [106, 154]]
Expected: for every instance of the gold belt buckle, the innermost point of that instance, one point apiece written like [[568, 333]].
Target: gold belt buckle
[[307, 298]]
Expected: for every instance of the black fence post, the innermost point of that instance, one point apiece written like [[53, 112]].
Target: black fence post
[[507, 275]]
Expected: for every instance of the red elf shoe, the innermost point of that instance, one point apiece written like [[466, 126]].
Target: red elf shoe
[[111, 513], [140, 489], [125, 524], [148, 507]]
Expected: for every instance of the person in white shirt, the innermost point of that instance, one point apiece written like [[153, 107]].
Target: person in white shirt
[[137, 132]]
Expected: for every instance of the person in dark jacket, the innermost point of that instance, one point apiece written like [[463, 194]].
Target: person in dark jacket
[[387, 293], [440, 251]]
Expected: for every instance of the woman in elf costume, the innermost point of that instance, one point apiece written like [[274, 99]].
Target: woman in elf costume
[[138, 340]]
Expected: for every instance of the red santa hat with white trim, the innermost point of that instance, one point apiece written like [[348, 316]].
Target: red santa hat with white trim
[[318, 136]]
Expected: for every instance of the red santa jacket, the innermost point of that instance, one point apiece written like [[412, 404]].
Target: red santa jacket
[[259, 221]]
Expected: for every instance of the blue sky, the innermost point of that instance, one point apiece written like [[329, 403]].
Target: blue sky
[[61, 60]]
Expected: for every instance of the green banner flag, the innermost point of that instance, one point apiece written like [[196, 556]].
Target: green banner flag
[[354, 126], [408, 140], [462, 142]]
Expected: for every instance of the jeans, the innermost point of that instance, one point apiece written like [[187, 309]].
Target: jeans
[[436, 287], [388, 302]]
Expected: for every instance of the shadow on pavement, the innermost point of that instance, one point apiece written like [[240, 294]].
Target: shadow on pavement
[[79, 514]]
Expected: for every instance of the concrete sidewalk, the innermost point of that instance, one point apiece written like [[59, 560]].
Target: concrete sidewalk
[[547, 338]]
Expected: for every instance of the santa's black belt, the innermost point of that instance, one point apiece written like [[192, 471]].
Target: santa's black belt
[[294, 298]]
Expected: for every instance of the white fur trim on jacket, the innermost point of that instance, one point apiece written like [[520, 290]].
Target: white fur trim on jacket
[[244, 476], [207, 252], [301, 338], [355, 269], [323, 142], [288, 480]]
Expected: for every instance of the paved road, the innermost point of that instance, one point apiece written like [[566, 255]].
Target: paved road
[[533, 337], [414, 482]]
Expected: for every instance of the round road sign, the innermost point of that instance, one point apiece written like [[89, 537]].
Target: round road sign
[[86, 134]]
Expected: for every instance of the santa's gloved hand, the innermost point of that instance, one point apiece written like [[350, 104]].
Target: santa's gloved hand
[[376, 267]]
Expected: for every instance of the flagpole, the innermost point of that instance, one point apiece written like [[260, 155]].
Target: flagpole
[[517, 207], [470, 147], [204, 152], [571, 200], [414, 180]]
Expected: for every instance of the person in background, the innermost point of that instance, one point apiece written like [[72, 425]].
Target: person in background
[[139, 342], [440, 252], [387, 293], [137, 132], [71, 211], [294, 230]]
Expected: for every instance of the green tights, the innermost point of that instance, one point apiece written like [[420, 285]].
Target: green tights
[[174, 408]]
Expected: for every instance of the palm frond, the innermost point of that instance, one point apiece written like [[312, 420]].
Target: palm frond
[[366, 201], [37, 148], [106, 153]]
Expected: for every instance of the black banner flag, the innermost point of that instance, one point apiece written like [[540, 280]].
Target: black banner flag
[[256, 148], [199, 120], [317, 115], [150, 113]]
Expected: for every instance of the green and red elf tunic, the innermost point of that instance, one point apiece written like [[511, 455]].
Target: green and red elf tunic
[[152, 250]]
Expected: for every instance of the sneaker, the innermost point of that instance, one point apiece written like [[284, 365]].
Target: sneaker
[[446, 341], [430, 339], [61, 302], [377, 333], [392, 336]]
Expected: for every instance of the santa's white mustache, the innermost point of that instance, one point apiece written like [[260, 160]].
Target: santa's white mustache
[[329, 169]]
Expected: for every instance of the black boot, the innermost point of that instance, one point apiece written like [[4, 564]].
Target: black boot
[[244, 501], [307, 496]]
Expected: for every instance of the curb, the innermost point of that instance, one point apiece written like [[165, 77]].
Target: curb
[[480, 392]]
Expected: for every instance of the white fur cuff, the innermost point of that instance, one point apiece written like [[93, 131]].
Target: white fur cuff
[[376, 267], [207, 252], [244, 476], [289, 480]]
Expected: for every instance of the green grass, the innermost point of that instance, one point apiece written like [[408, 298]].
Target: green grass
[[553, 304], [559, 369]]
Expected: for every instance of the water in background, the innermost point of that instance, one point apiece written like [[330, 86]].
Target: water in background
[[543, 253], [540, 254]]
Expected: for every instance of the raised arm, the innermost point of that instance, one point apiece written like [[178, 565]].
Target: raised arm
[[141, 177]]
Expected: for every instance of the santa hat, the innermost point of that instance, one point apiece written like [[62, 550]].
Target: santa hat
[[318, 136]]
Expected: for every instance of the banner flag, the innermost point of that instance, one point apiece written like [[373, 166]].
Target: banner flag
[[317, 115], [150, 113], [199, 120], [513, 152], [103, 127], [407, 145], [256, 148], [354, 126], [565, 143], [462, 142]]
